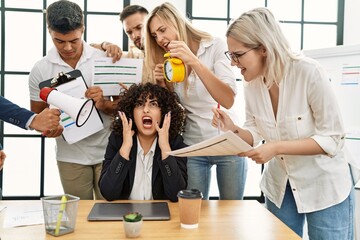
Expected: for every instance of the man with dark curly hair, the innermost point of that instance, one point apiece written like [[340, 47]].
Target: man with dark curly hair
[[136, 164]]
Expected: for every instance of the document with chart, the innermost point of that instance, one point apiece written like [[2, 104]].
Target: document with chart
[[108, 75], [227, 143]]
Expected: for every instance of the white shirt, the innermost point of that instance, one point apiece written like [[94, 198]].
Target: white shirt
[[142, 187], [197, 101], [29, 121], [307, 108], [90, 150]]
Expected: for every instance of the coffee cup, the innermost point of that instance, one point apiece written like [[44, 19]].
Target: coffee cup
[[189, 207]]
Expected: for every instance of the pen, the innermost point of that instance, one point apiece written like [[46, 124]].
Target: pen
[[218, 125], [60, 215]]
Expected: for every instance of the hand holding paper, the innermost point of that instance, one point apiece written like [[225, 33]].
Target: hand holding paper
[[227, 143]]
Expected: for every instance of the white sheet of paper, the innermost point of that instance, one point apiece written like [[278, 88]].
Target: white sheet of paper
[[108, 75], [16, 216], [227, 143], [72, 133]]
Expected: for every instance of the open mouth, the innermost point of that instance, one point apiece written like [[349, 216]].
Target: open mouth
[[147, 122], [165, 46]]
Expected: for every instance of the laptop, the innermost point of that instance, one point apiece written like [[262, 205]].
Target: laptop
[[158, 211]]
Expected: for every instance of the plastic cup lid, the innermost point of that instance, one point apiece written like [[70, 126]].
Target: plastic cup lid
[[191, 193]]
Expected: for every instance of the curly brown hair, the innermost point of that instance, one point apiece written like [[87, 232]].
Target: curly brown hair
[[167, 101]]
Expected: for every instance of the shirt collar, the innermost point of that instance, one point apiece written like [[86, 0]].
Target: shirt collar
[[140, 149], [54, 57], [203, 45]]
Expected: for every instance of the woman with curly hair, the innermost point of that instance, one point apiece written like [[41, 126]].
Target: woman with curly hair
[[136, 164]]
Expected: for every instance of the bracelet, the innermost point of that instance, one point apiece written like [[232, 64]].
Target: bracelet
[[102, 46]]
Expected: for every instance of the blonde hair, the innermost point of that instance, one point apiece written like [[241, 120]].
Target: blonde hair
[[172, 18], [258, 27]]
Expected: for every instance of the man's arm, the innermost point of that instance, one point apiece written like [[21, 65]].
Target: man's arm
[[112, 50], [12, 113], [37, 106], [107, 106], [18, 116]]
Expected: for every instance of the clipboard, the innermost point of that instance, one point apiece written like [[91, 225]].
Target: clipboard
[[73, 84]]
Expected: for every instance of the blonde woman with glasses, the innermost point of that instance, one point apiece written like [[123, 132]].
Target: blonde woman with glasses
[[291, 105]]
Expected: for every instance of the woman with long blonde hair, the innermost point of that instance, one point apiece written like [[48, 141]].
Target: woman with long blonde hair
[[209, 81], [291, 105]]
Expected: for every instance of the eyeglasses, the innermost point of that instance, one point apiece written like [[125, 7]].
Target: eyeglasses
[[234, 56]]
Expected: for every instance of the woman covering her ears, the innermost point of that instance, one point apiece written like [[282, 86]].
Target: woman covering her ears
[[137, 165]]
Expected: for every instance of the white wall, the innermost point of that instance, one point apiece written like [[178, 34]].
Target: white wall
[[150, 5], [352, 16], [352, 20]]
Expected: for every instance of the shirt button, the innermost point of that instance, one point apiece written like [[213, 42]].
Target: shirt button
[[282, 158], [299, 118], [294, 189]]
